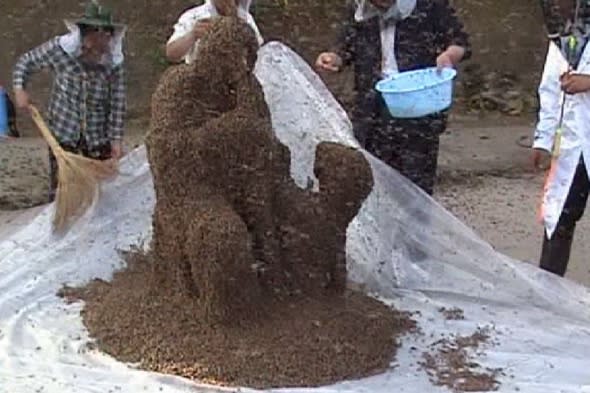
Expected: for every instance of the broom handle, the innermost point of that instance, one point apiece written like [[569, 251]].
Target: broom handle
[[558, 134], [38, 119]]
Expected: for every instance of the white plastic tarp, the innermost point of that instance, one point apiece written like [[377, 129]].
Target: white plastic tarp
[[402, 246]]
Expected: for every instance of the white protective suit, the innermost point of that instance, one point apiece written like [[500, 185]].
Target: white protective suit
[[189, 18], [575, 140]]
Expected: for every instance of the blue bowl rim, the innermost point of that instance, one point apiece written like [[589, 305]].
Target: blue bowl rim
[[450, 77]]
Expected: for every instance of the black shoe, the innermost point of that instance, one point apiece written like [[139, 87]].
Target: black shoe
[[556, 251]]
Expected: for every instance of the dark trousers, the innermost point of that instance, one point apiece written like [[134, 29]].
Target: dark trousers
[[100, 153], [12, 130], [409, 146], [555, 254]]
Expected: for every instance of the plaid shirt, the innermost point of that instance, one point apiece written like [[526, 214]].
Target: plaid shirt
[[85, 101]]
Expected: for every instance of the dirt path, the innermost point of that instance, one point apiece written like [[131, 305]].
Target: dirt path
[[487, 183]]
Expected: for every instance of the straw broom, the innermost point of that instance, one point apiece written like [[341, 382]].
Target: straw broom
[[78, 178]]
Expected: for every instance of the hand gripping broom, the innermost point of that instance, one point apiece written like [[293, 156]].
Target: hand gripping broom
[[78, 178]]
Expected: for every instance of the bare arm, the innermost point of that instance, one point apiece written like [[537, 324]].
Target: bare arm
[[178, 48]]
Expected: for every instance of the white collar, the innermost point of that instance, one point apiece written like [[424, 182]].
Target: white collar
[[400, 10]]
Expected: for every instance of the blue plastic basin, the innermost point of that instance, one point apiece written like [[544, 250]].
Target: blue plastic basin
[[3, 113], [418, 93]]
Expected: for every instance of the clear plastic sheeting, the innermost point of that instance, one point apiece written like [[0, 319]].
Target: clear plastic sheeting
[[402, 247], [304, 113]]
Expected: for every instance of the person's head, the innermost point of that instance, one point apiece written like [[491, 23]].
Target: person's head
[[228, 53], [383, 5], [559, 14], [566, 8], [96, 39], [96, 30], [226, 7]]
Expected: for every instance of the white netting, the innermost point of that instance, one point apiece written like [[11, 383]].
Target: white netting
[[402, 246]]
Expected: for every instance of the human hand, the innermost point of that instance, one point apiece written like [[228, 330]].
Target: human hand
[[541, 159], [116, 150], [226, 7], [329, 61], [575, 83], [201, 28], [444, 60], [21, 97]]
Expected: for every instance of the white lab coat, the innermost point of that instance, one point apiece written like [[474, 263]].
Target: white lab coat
[[575, 140]]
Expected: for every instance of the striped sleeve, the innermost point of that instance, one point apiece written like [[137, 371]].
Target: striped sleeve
[[118, 104], [43, 56]]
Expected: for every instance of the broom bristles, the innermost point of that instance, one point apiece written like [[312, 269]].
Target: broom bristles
[[78, 177]]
